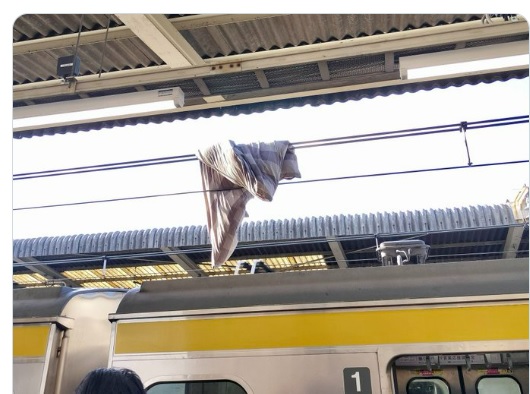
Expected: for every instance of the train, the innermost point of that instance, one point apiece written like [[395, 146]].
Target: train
[[435, 328]]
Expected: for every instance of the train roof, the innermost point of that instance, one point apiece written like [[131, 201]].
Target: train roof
[[47, 302], [389, 283]]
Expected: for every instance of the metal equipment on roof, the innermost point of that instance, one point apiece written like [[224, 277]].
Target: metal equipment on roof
[[128, 258], [403, 251]]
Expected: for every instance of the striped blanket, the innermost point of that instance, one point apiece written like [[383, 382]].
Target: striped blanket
[[231, 176]]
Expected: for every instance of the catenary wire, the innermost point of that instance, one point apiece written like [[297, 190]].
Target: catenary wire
[[414, 132], [314, 143], [281, 183]]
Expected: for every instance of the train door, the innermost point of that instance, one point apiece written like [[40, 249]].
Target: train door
[[59, 335], [496, 373], [256, 372], [485, 373], [37, 357]]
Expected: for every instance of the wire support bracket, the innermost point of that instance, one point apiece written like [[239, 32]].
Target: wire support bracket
[[463, 129]]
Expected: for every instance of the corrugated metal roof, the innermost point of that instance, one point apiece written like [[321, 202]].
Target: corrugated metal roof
[[208, 39], [124, 259], [383, 223], [312, 70], [261, 107]]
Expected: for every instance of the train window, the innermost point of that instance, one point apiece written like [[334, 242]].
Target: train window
[[498, 385], [206, 387], [427, 386]]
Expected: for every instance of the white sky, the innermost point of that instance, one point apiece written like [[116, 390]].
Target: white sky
[[455, 188]]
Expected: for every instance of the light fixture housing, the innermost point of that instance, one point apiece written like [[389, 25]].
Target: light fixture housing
[[465, 61], [98, 108]]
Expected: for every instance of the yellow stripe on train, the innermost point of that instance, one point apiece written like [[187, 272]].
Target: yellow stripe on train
[[447, 324], [30, 341]]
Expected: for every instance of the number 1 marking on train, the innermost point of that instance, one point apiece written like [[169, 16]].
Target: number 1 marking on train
[[357, 381]]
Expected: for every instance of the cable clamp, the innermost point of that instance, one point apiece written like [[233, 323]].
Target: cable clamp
[[463, 129]]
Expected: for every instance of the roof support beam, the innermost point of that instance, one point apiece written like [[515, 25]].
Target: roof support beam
[[184, 261], [338, 252], [324, 70], [202, 86], [262, 79], [282, 57], [513, 240], [44, 270], [157, 32], [389, 62], [124, 32]]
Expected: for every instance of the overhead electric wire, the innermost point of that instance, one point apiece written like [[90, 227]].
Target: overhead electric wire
[[462, 126], [105, 167], [497, 122], [421, 131], [406, 172], [281, 183], [297, 145]]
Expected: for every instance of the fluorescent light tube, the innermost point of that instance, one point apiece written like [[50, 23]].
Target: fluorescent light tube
[[103, 107], [469, 60]]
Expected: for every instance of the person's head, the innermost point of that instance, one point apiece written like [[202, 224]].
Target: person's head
[[111, 381]]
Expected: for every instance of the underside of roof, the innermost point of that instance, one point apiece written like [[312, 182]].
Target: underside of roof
[[240, 64], [124, 259]]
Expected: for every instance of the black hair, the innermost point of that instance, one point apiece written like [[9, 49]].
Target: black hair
[[111, 380]]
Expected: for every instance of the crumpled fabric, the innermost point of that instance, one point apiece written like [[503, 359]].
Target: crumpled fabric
[[231, 176]]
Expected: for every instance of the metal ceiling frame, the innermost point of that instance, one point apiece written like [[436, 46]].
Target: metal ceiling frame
[[198, 69], [122, 32]]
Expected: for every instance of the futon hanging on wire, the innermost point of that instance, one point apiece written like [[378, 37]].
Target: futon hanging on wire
[[231, 176]]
